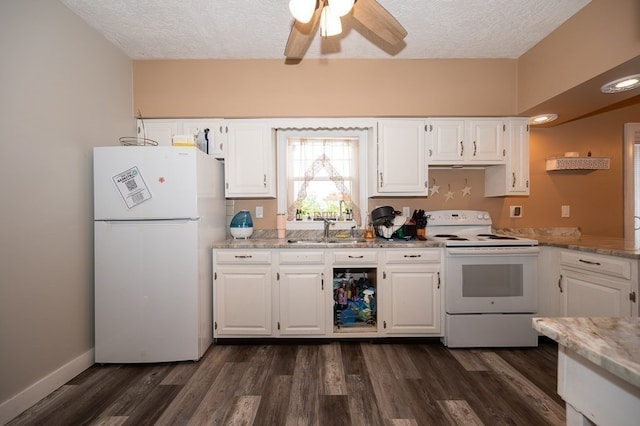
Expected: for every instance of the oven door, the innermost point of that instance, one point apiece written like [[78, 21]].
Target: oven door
[[491, 280]]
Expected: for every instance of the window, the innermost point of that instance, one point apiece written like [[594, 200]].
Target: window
[[322, 174]]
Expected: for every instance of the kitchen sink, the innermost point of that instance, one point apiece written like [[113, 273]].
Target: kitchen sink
[[330, 241]]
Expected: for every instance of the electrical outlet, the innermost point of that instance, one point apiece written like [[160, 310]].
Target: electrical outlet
[[565, 211], [515, 211], [406, 211], [259, 212]]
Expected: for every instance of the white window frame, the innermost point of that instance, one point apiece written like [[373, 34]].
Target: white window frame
[[361, 129]]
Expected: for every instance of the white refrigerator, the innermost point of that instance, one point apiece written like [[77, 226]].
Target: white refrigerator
[[157, 212]]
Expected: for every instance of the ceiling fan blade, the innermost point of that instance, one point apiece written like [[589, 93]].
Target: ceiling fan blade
[[379, 21], [301, 36]]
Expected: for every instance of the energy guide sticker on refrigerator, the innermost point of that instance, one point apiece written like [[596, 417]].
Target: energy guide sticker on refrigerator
[[132, 187]]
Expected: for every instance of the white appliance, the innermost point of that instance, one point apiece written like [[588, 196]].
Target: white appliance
[[491, 282], [157, 212]]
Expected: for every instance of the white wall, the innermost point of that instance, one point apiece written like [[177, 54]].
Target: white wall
[[63, 90]]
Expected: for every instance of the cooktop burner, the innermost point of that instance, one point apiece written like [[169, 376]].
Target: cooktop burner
[[497, 237]]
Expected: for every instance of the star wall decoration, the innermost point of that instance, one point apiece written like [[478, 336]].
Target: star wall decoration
[[435, 189], [466, 190], [449, 195]]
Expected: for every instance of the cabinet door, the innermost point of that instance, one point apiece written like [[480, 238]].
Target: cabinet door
[[242, 300], [588, 295], [161, 131], [413, 299], [209, 130], [301, 299], [485, 141], [513, 177], [249, 160], [402, 165], [445, 140]]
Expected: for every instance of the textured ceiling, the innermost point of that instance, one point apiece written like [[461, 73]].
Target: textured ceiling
[[258, 29]]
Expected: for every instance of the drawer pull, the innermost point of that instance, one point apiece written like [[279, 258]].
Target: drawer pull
[[244, 256], [589, 262], [356, 257], [412, 255]]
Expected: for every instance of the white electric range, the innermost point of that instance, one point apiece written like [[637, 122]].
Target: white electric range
[[491, 281]]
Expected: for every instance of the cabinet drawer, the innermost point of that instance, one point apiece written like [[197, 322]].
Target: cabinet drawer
[[413, 256], [614, 267], [355, 257], [295, 257], [260, 257]]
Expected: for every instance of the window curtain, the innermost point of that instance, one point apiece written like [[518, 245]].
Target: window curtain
[[326, 168]]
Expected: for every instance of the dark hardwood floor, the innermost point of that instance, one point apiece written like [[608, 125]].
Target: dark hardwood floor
[[309, 383]]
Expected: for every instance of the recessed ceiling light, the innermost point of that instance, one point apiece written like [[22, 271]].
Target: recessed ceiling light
[[542, 118], [623, 84]]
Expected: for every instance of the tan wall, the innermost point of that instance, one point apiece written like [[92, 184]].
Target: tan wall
[[603, 35], [324, 88], [64, 90]]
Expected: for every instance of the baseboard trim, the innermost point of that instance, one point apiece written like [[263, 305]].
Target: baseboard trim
[[15, 405]]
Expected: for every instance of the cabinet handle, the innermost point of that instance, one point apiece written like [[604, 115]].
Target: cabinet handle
[[322, 281], [589, 262], [560, 283], [430, 153], [461, 149], [355, 257], [243, 256], [381, 180], [513, 179], [264, 181], [412, 255], [438, 279], [384, 323], [475, 148]]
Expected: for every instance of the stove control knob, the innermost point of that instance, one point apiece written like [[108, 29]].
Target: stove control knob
[[485, 216], [480, 216]]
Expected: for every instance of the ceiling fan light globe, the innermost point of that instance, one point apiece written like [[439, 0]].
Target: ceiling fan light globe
[[341, 7], [330, 23], [302, 10]]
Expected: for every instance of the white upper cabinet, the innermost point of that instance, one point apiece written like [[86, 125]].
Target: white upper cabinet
[[513, 177], [250, 160], [465, 141], [401, 166], [160, 131], [206, 130]]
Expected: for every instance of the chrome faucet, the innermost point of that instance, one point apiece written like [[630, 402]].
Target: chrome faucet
[[327, 224], [352, 233]]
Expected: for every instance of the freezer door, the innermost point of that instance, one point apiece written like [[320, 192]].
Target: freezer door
[[145, 182], [146, 292]]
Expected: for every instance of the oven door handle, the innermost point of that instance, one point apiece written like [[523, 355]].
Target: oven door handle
[[491, 251]]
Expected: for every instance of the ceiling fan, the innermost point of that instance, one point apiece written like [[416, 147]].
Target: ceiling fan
[[310, 14]]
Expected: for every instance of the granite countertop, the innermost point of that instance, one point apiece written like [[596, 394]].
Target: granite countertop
[[611, 343], [569, 238], [275, 243]]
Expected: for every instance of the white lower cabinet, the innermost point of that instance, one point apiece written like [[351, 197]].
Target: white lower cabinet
[[301, 293], [242, 293], [593, 285], [297, 293], [412, 296]]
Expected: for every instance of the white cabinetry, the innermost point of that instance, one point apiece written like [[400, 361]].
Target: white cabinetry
[[401, 158], [548, 282], [411, 292], [593, 285], [242, 293], [163, 130], [158, 130], [511, 178], [465, 141], [301, 293], [250, 165]]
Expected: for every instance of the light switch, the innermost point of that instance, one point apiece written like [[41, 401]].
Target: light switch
[[406, 211], [259, 212], [565, 211], [515, 211]]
